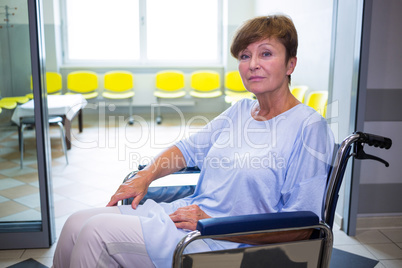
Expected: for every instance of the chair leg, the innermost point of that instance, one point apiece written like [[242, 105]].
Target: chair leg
[[130, 111], [21, 139], [158, 118], [63, 140]]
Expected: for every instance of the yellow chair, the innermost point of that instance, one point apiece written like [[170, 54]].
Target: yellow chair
[[318, 101], [53, 84], [205, 84], [7, 104], [169, 85], [299, 92], [83, 82], [234, 88], [11, 102], [18, 99], [119, 85]]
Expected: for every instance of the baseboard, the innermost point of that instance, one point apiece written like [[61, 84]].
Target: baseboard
[[373, 221], [378, 221], [338, 220]]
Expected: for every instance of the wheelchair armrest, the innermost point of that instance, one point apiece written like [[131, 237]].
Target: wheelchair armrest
[[256, 222], [164, 193], [185, 170]]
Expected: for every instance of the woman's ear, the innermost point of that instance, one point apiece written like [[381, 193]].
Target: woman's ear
[[291, 65]]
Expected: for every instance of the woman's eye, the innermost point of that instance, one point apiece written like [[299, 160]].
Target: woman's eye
[[266, 54], [243, 57]]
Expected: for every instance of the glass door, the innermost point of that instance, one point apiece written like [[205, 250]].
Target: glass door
[[26, 207]]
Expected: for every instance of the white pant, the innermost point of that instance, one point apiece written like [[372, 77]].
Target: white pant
[[101, 237]]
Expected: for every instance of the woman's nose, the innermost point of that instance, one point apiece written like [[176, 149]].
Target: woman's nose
[[254, 64]]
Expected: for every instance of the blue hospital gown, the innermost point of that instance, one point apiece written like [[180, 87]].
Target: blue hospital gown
[[247, 167]]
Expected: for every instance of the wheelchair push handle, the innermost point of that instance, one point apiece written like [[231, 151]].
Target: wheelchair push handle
[[371, 140], [375, 140]]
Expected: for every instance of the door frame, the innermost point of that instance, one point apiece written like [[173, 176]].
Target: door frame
[[38, 234]]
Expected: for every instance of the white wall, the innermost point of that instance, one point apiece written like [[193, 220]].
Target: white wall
[[20, 14], [238, 11], [53, 38], [313, 21], [15, 68]]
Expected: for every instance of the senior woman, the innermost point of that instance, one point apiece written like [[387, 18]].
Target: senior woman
[[266, 155]]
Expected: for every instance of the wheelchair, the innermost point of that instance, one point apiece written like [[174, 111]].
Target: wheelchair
[[313, 252]]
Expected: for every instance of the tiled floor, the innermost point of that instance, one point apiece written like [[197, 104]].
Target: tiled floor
[[377, 243], [19, 192], [100, 158]]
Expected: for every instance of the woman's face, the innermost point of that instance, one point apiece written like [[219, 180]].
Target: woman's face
[[263, 66]]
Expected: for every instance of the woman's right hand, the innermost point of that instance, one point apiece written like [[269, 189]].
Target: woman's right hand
[[167, 162], [136, 187]]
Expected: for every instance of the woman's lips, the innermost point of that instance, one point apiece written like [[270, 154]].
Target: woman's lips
[[255, 78]]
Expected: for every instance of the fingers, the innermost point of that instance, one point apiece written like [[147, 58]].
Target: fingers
[[134, 188], [114, 200], [136, 201], [118, 196], [112, 203], [186, 225], [188, 217], [184, 221], [182, 217]]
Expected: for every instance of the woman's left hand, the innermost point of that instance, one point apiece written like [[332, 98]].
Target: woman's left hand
[[187, 217]]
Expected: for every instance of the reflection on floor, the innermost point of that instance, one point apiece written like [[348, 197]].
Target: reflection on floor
[[19, 192], [100, 158]]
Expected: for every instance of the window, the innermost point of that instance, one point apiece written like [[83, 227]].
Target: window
[[143, 31], [102, 30], [186, 30]]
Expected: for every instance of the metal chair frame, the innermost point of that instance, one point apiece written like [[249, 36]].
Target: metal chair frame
[[30, 122]]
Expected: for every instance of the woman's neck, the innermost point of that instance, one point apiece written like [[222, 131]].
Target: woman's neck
[[269, 106]]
